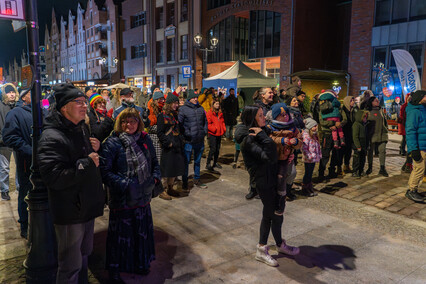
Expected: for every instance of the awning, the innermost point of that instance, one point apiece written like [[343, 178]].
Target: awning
[[322, 75]]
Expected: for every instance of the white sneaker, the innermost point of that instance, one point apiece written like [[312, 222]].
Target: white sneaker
[[289, 250], [263, 255]]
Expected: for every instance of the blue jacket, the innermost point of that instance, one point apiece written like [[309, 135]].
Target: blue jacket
[[127, 192], [415, 127], [142, 112], [193, 122]]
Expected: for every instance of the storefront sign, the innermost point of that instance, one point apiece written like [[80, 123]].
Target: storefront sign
[[187, 71], [170, 31], [12, 10], [242, 4]]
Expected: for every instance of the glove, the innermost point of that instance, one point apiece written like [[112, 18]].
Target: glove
[[416, 155]]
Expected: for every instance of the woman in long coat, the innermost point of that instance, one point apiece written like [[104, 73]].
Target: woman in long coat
[[131, 171]]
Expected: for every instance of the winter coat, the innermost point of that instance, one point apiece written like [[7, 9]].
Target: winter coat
[[260, 158], [216, 123], [314, 109], [297, 117], [403, 116], [73, 181], [142, 112], [17, 135], [125, 192], [101, 125], [325, 125], [293, 89], [378, 127], [230, 110], [279, 131], [336, 106], [359, 131], [4, 109], [193, 122], [264, 107], [311, 148], [350, 118], [206, 100], [142, 99], [171, 140], [415, 127]]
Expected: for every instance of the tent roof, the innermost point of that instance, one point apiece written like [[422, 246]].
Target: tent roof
[[245, 76]]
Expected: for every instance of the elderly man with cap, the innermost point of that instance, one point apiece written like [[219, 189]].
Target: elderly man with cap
[[193, 122], [9, 97], [415, 130], [127, 100], [69, 167], [17, 135]]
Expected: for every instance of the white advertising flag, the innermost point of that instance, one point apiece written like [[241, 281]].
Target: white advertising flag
[[407, 71]]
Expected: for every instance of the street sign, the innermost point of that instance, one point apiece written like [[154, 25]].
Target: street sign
[[12, 10], [187, 71], [27, 77]]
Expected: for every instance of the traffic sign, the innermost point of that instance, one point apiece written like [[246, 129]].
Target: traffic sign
[[12, 10], [187, 71]]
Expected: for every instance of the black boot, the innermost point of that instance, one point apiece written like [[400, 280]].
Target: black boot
[[332, 173], [311, 189], [306, 191], [252, 194], [209, 167], [369, 170], [383, 171]]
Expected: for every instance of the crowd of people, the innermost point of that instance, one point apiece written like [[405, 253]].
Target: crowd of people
[[115, 146]]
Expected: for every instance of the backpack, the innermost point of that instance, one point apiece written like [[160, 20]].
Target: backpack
[[326, 107]]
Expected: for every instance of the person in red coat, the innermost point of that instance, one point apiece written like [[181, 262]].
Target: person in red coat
[[216, 127], [408, 165]]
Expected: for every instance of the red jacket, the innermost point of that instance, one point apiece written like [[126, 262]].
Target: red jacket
[[216, 123], [403, 117]]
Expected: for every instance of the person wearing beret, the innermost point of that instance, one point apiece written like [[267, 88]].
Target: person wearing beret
[[127, 100], [69, 168], [100, 123]]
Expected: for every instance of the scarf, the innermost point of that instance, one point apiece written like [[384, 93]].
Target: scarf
[[137, 164], [289, 125]]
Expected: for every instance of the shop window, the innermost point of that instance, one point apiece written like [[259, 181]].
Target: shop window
[[184, 47]]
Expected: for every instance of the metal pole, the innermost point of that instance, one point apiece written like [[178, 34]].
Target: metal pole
[[41, 262], [205, 53]]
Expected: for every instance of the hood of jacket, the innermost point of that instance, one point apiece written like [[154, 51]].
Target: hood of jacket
[[413, 107], [359, 115], [282, 125], [241, 131], [347, 102], [327, 96]]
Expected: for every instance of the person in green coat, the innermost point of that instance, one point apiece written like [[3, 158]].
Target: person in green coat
[[360, 145], [378, 129]]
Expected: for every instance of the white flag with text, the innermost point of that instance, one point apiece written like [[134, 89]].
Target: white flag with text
[[407, 71]]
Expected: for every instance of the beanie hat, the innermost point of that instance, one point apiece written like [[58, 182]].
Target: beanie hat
[[9, 89], [417, 96], [65, 93], [87, 89], [125, 92], [157, 95], [153, 87], [310, 123], [171, 98], [191, 94], [278, 109], [203, 90], [23, 93], [93, 98]]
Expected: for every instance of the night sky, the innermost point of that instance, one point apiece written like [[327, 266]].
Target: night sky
[[12, 43]]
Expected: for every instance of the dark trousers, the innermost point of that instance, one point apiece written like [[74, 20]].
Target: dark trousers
[[270, 221], [25, 185], [283, 174], [403, 143], [75, 244], [309, 170], [214, 145], [346, 153], [358, 161], [327, 150]]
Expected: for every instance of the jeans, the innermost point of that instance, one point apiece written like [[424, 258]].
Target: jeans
[[309, 170], [75, 244], [5, 154], [198, 151]]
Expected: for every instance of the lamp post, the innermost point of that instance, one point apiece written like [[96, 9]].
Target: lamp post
[[71, 69], [40, 264], [103, 62], [198, 44]]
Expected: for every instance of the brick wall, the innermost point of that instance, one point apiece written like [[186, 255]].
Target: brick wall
[[360, 50]]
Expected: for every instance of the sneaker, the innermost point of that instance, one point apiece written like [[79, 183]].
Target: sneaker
[[5, 196], [217, 166], [165, 196], [415, 196], [199, 184], [356, 175], [288, 250], [383, 171], [263, 255]]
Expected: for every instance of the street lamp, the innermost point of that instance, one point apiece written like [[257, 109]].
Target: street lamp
[[198, 44], [103, 62], [71, 69]]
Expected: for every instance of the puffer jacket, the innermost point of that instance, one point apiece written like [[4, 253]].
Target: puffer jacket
[[216, 123], [73, 181], [280, 131], [311, 148], [415, 127], [125, 192], [5, 108], [378, 127], [193, 122], [206, 100]]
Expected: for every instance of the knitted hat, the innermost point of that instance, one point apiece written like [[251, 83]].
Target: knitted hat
[[157, 95], [93, 98], [65, 93], [310, 123], [171, 98], [417, 96], [202, 90], [153, 87], [9, 89], [125, 92], [191, 94], [278, 109]]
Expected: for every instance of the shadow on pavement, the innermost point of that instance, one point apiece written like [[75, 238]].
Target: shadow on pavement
[[333, 188], [315, 260], [226, 159]]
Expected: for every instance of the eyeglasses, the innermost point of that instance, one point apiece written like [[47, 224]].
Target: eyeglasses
[[80, 102], [130, 121]]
